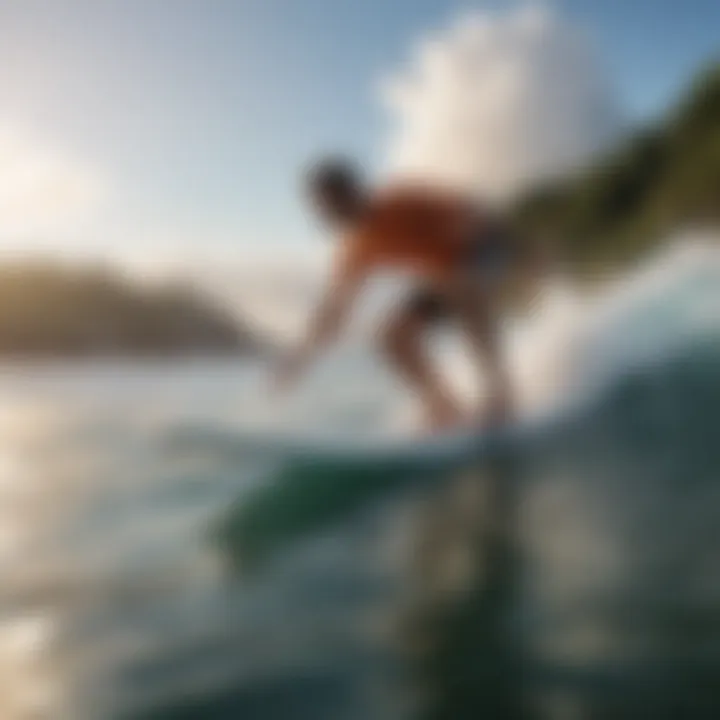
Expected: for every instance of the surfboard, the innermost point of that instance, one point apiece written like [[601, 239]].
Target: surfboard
[[315, 483]]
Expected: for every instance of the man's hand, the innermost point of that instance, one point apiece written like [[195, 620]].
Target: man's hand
[[329, 318]]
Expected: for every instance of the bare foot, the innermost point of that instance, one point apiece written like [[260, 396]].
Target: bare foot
[[496, 413], [443, 416]]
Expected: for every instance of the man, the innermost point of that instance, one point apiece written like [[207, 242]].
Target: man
[[461, 259]]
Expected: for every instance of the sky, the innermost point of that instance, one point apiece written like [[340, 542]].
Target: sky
[[171, 130]]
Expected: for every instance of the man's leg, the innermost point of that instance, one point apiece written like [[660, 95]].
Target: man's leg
[[475, 307], [402, 341]]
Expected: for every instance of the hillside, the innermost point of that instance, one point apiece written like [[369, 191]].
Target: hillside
[[663, 177], [53, 310]]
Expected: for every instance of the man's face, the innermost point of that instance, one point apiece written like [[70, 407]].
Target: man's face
[[332, 205]]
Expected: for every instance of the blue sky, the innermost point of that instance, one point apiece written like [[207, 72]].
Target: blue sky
[[198, 114]]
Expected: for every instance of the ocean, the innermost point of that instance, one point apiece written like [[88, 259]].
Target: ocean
[[117, 601]]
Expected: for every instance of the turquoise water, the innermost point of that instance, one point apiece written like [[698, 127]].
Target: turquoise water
[[118, 601]]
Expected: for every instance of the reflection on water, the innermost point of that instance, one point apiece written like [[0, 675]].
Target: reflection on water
[[610, 533], [114, 600]]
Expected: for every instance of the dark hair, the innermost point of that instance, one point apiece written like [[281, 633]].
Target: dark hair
[[335, 185], [334, 176]]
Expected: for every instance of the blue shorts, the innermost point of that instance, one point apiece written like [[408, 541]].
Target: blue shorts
[[490, 260]]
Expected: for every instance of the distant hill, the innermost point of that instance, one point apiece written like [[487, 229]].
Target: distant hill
[[663, 177], [53, 310]]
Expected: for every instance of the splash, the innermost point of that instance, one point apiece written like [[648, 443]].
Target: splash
[[498, 102], [572, 357]]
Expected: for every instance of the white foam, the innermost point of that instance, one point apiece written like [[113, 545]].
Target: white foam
[[574, 339]]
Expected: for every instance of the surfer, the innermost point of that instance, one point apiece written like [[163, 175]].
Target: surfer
[[461, 257]]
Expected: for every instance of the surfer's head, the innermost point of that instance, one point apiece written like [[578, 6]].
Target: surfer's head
[[336, 189]]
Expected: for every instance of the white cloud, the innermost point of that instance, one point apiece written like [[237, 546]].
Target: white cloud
[[45, 191], [496, 103]]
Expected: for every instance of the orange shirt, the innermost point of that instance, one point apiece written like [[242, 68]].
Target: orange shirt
[[414, 228]]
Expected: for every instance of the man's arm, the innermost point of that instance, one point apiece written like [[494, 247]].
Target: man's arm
[[326, 324]]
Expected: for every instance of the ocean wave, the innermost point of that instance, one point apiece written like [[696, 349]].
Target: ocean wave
[[640, 359]]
